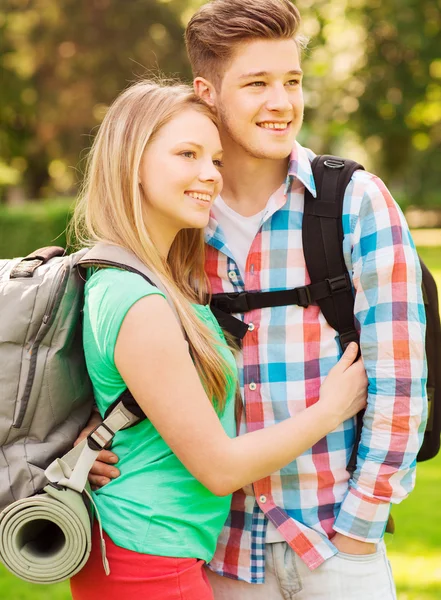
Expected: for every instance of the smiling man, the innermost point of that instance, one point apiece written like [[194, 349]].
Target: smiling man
[[311, 530]]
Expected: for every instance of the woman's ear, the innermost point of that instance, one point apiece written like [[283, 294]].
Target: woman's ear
[[205, 90]]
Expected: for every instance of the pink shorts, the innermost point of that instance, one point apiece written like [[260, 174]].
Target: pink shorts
[[134, 575]]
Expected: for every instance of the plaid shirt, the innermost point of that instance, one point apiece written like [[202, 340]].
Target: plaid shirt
[[289, 350]]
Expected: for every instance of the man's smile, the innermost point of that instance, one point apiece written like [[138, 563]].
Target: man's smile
[[275, 125]]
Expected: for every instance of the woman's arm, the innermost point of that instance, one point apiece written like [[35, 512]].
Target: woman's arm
[[153, 359]]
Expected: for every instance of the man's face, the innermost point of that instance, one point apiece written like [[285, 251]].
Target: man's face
[[260, 101]]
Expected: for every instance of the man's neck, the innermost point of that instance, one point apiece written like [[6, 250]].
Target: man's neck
[[249, 182]]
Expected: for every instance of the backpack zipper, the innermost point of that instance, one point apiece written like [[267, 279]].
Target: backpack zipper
[[53, 296], [53, 301]]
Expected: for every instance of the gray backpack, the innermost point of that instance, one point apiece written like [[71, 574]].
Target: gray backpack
[[45, 392]]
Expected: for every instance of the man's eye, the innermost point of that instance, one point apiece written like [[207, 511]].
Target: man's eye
[[293, 82], [218, 163], [257, 83]]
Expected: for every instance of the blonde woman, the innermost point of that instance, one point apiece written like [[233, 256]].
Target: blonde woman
[[154, 171]]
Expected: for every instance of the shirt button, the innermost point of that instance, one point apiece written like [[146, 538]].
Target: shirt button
[[232, 274], [262, 499], [251, 327], [252, 386]]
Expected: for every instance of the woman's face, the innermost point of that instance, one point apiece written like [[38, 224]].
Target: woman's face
[[179, 173]]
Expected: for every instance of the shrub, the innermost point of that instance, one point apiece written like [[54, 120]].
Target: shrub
[[33, 225]]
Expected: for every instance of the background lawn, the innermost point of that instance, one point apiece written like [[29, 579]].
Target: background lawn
[[415, 548]]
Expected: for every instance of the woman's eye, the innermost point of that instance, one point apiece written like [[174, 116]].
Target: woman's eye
[[218, 163], [293, 82], [189, 154]]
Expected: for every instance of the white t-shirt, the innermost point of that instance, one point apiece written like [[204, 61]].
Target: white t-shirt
[[239, 234], [239, 231]]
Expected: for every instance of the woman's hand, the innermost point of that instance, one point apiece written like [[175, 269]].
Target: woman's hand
[[344, 392]]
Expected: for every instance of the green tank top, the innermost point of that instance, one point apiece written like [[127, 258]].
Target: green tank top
[[156, 506]]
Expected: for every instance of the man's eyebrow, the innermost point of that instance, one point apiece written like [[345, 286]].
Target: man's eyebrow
[[266, 73]]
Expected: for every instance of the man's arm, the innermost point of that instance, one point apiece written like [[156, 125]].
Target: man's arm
[[103, 470], [390, 311]]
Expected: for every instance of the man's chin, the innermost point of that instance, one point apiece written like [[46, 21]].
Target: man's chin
[[272, 150], [273, 153]]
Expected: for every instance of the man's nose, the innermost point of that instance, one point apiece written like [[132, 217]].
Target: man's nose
[[278, 99]]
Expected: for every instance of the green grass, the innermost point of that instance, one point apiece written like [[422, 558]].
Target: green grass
[[12, 588], [414, 550]]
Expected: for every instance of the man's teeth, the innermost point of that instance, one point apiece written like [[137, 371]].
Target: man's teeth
[[273, 125], [197, 196]]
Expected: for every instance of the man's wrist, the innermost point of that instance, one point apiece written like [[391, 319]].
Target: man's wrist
[[349, 545]]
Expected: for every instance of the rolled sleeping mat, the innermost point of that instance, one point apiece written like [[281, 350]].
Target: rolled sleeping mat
[[46, 538]]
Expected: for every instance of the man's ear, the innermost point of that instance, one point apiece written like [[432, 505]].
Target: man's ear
[[205, 90]]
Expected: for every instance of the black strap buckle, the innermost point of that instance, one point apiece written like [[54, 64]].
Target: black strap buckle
[[342, 283], [241, 304], [232, 303], [348, 337], [304, 296], [333, 163], [103, 443]]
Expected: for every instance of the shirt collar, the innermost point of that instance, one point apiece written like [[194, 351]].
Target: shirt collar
[[300, 168], [215, 236]]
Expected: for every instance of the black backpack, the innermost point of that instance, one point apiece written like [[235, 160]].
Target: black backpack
[[331, 288]]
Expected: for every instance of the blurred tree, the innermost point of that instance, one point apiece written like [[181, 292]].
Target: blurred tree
[[63, 62], [335, 50], [373, 89], [400, 110], [372, 82]]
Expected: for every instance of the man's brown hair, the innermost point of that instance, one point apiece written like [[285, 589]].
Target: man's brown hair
[[216, 28]]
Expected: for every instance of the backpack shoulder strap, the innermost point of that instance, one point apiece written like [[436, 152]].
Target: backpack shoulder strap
[[110, 255], [322, 233]]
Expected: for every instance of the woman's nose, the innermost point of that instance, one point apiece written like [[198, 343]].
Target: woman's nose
[[210, 173]]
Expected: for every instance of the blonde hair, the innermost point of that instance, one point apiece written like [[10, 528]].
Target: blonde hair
[[218, 26], [110, 209]]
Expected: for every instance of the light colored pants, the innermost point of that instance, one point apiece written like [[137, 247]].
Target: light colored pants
[[342, 577]]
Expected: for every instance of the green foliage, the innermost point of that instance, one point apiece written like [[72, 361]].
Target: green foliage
[[63, 64], [400, 109], [373, 89], [32, 226], [372, 83]]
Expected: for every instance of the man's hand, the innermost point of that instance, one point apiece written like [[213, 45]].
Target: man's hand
[[102, 471], [348, 545]]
